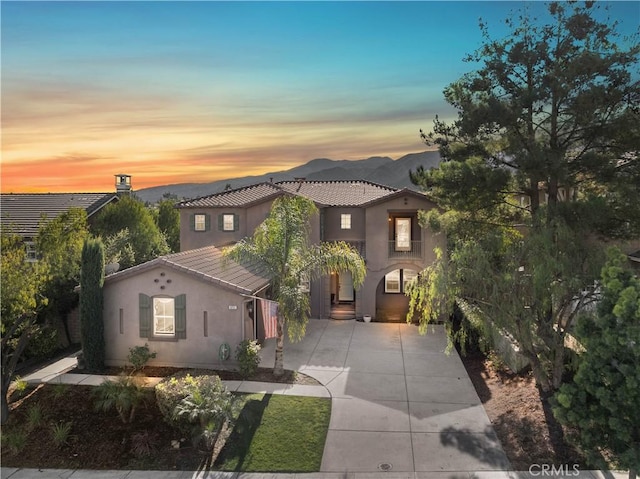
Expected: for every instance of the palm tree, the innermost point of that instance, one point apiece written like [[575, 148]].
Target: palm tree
[[282, 246]]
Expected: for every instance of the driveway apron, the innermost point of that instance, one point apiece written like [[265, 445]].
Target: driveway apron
[[399, 402]]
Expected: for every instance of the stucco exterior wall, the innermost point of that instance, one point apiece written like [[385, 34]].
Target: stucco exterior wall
[[190, 239], [333, 231], [197, 350]]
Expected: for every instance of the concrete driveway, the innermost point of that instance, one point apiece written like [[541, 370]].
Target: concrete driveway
[[399, 403]]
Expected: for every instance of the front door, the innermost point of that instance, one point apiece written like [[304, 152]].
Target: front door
[[345, 291]]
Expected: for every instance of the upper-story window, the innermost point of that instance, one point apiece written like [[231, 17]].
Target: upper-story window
[[403, 234], [345, 221], [228, 222], [200, 223], [31, 252]]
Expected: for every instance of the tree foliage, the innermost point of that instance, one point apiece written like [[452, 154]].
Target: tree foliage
[[601, 403], [169, 223], [541, 161], [281, 246], [143, 239], [59, 244], [91, 300], [21, 298]]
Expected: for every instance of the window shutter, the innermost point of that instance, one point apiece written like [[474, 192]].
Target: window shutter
[[192, 221], [236, 222], [181, 316], [146, 315], [207, 222], [220, 222]]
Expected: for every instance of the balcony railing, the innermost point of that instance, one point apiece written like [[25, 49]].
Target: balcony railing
[[414, 253]]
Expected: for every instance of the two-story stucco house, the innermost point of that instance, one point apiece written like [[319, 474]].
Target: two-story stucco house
[[381, 222]]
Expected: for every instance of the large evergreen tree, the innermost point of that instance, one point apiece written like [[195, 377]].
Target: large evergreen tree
[[547, 138], [601, 403], [91, 321], [281, 246]]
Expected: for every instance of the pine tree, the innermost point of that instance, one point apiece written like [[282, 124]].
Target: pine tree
[[601, 403]]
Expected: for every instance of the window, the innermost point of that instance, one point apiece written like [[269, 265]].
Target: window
[[407, 276], [305, 284], [392, 282], [163, 317], [228, 222], [396, 281], [164, 320], [200, 224], [403, 234], [31, 251], [345, 221]]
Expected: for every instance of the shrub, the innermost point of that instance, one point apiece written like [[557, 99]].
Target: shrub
[[123, 395], [21, 385], [197, 405], [139, 356], [60, 433], [43, 344], [34, 416], [14, 440], [248, 357], [59, 390], [142, 444]]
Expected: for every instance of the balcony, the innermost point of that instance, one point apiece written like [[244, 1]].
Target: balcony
[[414, 253]]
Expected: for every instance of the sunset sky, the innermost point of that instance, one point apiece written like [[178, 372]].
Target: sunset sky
[[176, 92]]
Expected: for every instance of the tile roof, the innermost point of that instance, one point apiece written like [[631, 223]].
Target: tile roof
[[206, 264], [324, 193], [237, 197], [24, 211], [338, 193]]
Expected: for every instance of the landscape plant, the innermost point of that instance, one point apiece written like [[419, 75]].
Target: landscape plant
[[196, 405], [60, 433], [123, 394], [281, 246], [541, 162], [14, 440], [600, 404], [139, 356], [34, 416], [248, 357], [91, 304], [21, 298]]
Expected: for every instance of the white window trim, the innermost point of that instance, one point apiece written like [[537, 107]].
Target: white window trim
[[345, 221], [226, 218], [390, 278], [157, 302], [199, 222], [403, 234]]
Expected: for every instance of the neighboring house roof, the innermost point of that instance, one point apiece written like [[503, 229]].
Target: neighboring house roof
[[238, 197], [24, 212], [206, 264], [345, 193]]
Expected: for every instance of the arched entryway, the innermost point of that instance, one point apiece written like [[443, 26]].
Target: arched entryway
[[391, 303]]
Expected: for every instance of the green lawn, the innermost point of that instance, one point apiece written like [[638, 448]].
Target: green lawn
[[275, 433]]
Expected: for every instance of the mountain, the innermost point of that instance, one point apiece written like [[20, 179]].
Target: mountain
[[377, 169]]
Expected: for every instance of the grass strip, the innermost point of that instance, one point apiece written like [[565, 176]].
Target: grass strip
[[276, 433]]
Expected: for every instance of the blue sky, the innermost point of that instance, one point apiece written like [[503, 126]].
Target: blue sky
[[174, 92]]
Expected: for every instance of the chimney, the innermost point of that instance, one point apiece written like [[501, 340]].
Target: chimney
[[123, 184], [300, 180]]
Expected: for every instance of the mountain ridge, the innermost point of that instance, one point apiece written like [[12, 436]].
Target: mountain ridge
[[376, 169]]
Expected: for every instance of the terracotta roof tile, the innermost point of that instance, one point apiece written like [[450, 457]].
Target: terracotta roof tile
[[238, 197], [338, 193], [207, 264]]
